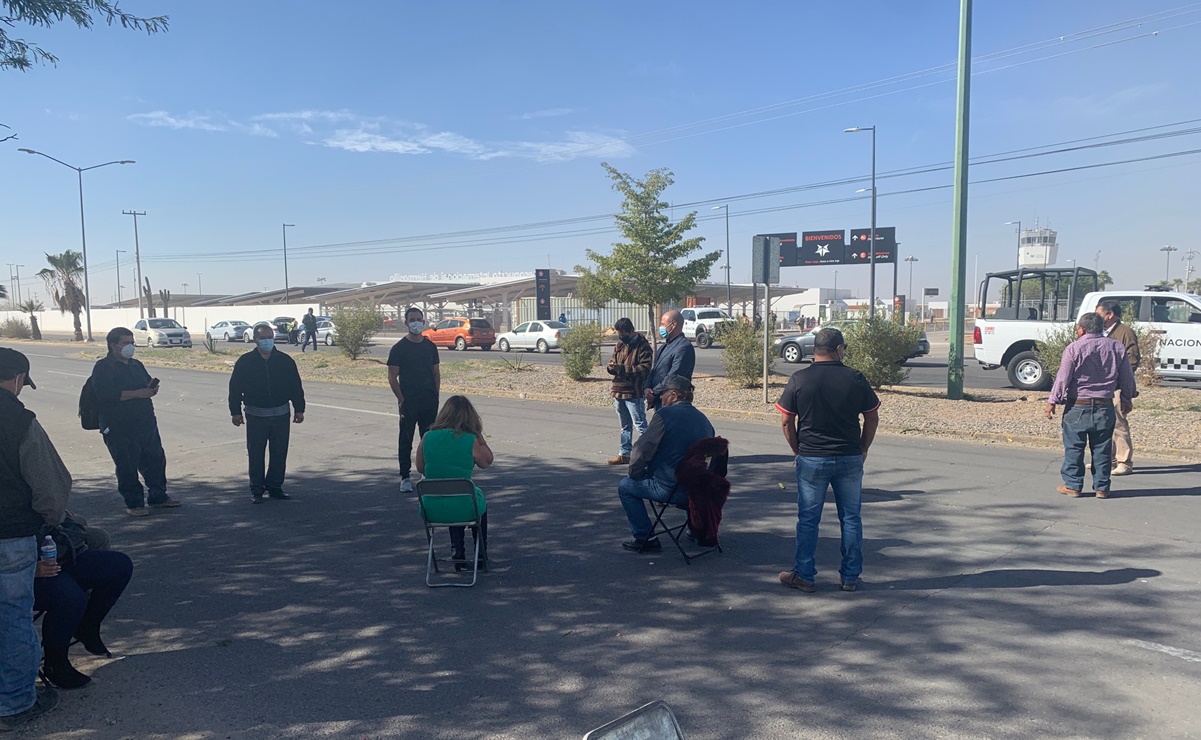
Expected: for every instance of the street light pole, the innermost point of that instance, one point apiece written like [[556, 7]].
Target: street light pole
[[199, 285], [1167, 272], [729, 292], [287, 293], [910, 259], [17, 270], [872, 237], [119, 253], [1018, 261], [137, 258], [87, 305]]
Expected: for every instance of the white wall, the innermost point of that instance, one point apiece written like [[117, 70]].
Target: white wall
[[196, 318]]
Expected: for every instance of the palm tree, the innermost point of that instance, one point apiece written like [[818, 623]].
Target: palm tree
[[1104, 279], [3, 292], [62, 282], [31, 307]]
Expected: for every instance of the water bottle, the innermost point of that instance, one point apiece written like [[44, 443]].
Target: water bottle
[[49, 550]]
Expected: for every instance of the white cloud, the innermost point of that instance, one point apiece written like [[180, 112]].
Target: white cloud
[[308, 115], [166, 120], [365, 141], [578, 144], [548, 113]]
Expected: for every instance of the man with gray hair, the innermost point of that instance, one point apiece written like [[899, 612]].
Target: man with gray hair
[[1092, 368]]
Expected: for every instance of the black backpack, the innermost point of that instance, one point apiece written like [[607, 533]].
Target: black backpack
[[89, 409]]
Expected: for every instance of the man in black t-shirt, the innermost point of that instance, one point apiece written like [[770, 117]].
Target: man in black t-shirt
[[820, 409], [415, 379]]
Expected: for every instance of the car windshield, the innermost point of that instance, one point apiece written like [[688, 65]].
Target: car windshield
[[554, 324], [710, 315], [481, 323], [164, 324], [238, 323]]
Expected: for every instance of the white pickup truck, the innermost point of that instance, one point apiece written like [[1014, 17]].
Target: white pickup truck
[[1052, 298], [699, 324]]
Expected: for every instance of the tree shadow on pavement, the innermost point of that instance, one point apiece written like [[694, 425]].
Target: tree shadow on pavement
[[311, 617]]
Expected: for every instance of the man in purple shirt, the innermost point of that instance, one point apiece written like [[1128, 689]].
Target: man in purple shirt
[[1093, 367]]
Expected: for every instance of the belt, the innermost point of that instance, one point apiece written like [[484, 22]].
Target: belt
[[1089, 402]]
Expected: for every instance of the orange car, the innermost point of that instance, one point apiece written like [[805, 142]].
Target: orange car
[[461, 332]]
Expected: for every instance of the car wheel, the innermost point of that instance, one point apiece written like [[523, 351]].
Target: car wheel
[[704, 340], [504, 345], [226, 337], [460, 344], [1026, 372], [149, 342], [543, 347], [791, 353], [486, 347]]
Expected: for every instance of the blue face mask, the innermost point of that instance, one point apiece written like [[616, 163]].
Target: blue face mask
[[266, 345], [663, 331]]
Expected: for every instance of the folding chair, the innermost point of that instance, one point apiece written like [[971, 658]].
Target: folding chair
[[654, 721], [714, 451], [448, 502]]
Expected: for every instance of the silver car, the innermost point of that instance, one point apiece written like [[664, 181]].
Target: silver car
[[540, 335], [228, 331], [161, 333], [327, 332]]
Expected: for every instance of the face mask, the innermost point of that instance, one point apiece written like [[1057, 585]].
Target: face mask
[[626, 338], [663, 331], [127, 351], [416, 327], [266, 345]]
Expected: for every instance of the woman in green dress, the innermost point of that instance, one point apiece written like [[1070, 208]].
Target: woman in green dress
[[452, 448]]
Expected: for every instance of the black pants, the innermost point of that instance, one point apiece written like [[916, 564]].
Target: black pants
[[139, 452], [263, 433], [309, 335], [417, 411], [458, 541], [80, 596]]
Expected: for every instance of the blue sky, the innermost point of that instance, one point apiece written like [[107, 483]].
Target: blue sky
[[395, 122]]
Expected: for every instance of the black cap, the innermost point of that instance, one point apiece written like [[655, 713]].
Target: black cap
[[674, 383], [15, 363]]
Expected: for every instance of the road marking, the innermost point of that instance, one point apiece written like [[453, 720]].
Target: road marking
[[73, 375], [1188, 655], [357, 411]]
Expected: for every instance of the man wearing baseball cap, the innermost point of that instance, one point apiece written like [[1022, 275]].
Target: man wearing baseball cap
[[34, 485], [677, 424]]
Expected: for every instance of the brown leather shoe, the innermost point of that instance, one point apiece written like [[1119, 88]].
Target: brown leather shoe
[[620, 460], [1102, 494], [792, 580], [1067, 491]]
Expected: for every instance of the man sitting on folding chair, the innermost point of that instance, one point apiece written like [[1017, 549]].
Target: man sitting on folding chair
[[676, 425]]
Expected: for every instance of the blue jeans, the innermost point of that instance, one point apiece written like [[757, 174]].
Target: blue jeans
[[632, 413], [1092, 426], [21, 654], [632, 492], [814, 476]]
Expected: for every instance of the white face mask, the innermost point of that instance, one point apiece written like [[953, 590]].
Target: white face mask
[[127, 351], [416, 327]]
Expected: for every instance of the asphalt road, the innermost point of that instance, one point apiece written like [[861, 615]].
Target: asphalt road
[[992, 606]]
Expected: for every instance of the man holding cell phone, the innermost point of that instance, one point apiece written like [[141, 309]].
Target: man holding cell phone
[[124, 390]]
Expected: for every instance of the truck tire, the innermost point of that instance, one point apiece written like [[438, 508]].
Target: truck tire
[[1026, 372], [703, 339]]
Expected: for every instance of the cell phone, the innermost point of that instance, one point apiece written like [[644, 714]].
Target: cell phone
[[154, 382]]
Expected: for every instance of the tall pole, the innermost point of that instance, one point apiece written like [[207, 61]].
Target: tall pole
[[910, 259], [959, 221], [1167, 271], [119, 253], [766, 334], [1018, 260], [287, 292], [17, 269], [199, 285], [872, 251], [729, 290], [137, 258]]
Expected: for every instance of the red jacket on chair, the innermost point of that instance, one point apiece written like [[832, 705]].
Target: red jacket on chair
[[706, 485]]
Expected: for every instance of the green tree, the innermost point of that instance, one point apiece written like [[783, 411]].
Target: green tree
[[31, 307], [581, 349], [742, 354], [878, 346], [62, 283], [3, 292], [354, 328], [650, 268], [20, 54]]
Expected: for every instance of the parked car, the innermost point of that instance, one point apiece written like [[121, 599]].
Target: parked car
[[702, 325], [228, 331], [462, 332], [540, 335], [281, 332], [161, 333], [796, 348], [326, 332]]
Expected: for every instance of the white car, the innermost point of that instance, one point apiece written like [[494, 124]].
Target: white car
[[327, 332], [540, 335], [161, 333], [228, 331]]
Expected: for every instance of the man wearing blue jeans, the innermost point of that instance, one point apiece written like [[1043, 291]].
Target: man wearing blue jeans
[[677, 424], [1092, 368], [34, 485], [820, 409], [629, 366]]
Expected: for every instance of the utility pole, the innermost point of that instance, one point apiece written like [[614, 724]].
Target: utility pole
[[910, 259], [959, 221], [287, 293], [137, 258], [1188, 266], [185, 288], [119, 253], [199, 285]]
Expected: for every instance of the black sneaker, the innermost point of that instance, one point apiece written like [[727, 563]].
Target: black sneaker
[[46, 700], [62, 675], [278, 493], [256, 497], [643, 545]]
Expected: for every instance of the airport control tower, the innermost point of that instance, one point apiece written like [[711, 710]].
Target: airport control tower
[[1038, 248]]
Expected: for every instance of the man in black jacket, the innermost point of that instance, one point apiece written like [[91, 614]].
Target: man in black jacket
[[34, 485], [265, 382], [130, 428]]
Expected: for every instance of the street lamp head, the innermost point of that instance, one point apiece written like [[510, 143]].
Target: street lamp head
[[27, 151], [126, 161], [863, 190], [289, 224], [716, 208], [1012, 223]]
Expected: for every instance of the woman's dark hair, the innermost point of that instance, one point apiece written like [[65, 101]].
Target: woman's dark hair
[[624, 325], [115, 334]]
